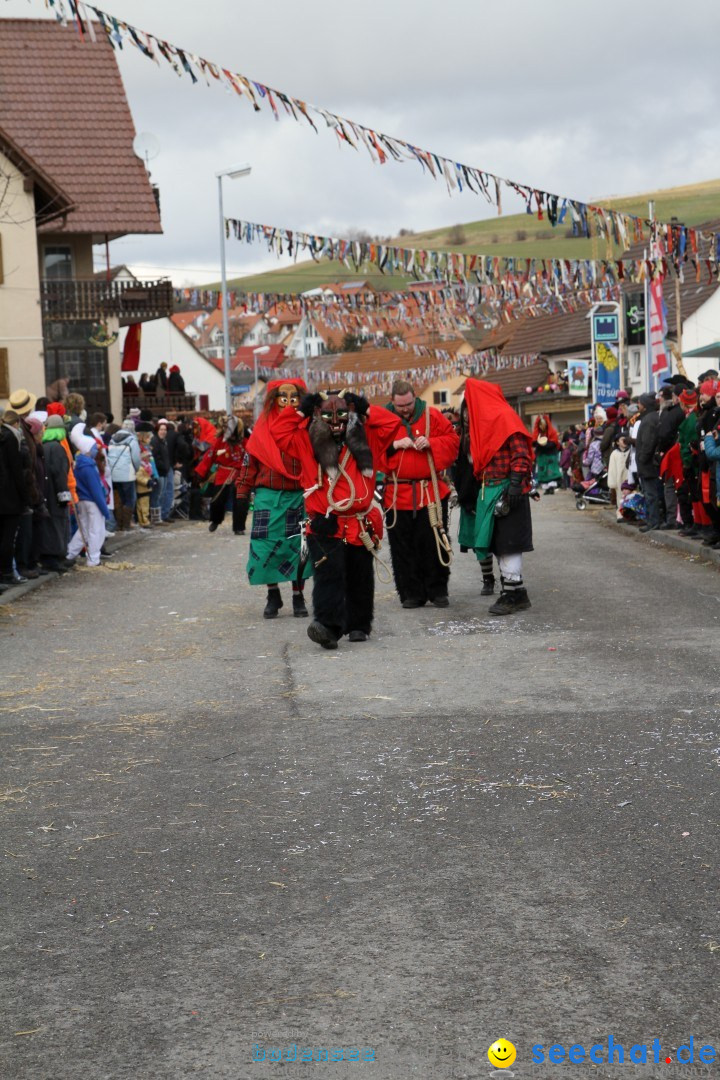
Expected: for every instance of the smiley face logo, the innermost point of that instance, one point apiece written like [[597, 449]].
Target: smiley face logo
[[501, 1054]]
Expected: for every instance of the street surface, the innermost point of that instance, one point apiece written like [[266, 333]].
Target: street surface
[[217, 835]]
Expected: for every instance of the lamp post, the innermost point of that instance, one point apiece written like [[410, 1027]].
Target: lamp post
[[234, 173], [257, 352]]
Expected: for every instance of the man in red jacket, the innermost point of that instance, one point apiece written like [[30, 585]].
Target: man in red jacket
[[416, 499], [340, 441]]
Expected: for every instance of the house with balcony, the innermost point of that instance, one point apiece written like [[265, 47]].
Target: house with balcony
[[69, 181]]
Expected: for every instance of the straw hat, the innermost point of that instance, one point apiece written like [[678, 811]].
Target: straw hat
[[22, 402]]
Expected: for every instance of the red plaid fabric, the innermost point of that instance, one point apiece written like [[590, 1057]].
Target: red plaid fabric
[[514, 456], [254, 474]]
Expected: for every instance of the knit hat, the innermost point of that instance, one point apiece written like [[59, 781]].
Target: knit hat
[[144, 426], [35, 425], [22, 402], [174, 368], [708, 387], [56, 408], [54, 422], [611, 412], [689, 399], [622, 395], [134, 414]]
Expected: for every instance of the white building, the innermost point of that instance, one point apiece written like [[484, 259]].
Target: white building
[[162, 340]]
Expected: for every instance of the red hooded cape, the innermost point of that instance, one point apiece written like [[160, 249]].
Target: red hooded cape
[[208, 432], [552, 432], [262, 444], [492, 422]]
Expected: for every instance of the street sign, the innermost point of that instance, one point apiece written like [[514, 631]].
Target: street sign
[[234, 390], [605, 328]]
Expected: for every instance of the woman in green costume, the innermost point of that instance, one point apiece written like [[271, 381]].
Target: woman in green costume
[[546, 444], [278, 511]]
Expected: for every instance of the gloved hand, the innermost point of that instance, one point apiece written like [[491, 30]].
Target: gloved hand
[[514, 492], [309, 404], [361, 403]]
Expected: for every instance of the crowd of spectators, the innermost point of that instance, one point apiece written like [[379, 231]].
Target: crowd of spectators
[[68, 480], [657, 457]]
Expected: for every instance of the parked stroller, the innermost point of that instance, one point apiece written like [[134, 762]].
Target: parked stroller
[[592, 492]]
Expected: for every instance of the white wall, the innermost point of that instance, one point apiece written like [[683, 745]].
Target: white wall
[[702, 328], [161, 340], [20, 317]]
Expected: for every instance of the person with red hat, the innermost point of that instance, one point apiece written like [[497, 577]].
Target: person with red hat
[[274, 476], [341, 441]]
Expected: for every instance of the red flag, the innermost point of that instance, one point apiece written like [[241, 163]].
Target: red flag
[[131, 351]]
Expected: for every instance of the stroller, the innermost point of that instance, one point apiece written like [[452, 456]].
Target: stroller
[[181, 497], [593, 491]]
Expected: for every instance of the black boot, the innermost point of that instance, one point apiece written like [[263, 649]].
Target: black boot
[[488, 585], [322, 635], [510, 601], [299, 609], [274, 603]]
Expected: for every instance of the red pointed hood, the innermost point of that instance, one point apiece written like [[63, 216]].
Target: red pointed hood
[[492, 422]]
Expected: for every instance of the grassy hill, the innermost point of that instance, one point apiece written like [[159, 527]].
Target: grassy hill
[[518, 235]]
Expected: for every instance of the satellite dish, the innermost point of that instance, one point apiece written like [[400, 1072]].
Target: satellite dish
[[146, 147]]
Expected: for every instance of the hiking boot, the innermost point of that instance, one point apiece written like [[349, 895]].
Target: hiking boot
[[488, 585], [322, 636], [273, 605], [413, 602], [357, 635], [510, 602], [299, 609]]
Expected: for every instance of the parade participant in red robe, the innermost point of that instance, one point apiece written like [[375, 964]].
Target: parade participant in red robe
[[416, 498], [340, 441], [272, 477], [227, 455], [499, 448]]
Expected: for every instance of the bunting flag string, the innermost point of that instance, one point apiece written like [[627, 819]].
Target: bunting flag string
[[450, 307], [513, 277], [378, 383], [588, 220]]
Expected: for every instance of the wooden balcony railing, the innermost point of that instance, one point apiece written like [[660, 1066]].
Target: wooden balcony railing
[[129, 301], [160, 405]]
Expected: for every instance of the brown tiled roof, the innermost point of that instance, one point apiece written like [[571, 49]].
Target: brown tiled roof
[[513, 383], [64, 104], [382, 360], [550, 334], [57, 201]]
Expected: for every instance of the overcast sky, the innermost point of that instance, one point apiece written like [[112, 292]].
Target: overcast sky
[[585, 100]]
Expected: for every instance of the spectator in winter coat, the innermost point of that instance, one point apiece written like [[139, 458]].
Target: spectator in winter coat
[[123, 463], [161, 379], [646, 459], [92, 509], [176, 383], [54, 530], [14, 494], [618, 471], [161, 456]]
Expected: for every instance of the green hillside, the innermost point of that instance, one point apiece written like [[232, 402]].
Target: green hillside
[[518, 235]]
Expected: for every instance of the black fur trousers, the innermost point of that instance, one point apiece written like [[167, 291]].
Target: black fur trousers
[[418, 573], [343, 585]]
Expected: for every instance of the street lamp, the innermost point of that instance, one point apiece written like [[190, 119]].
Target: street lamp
[[258, 352], [234, 173]]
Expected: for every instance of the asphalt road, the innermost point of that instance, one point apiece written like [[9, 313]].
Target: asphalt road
[[216, 835]]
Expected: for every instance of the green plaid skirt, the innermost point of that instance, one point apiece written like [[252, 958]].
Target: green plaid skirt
[[275, 538]]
